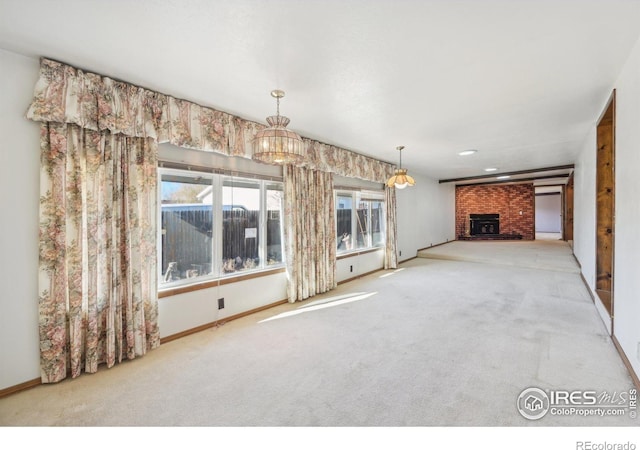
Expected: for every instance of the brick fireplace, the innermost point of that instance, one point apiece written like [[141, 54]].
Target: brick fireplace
[[495, 211]]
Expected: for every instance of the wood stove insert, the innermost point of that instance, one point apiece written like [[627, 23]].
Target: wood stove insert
[[484, 224]]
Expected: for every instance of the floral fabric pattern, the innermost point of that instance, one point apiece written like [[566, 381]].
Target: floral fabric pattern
[[98, 294], [309, 232], [391, 253], [64, 94]]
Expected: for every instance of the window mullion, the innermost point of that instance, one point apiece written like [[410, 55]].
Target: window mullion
[[370, 223], [218, 225], [262, 224], [354, 219]]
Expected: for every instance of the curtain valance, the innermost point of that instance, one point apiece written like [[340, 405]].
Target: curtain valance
[[64, 94]]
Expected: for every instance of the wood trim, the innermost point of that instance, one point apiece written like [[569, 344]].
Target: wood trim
[[217, 282], [20, 387], [359, 276], [36, 382], [407, 260], [220, 322], [577, 261], [435, 245], [607, 300], [568, 195], [528, 180], [251, 276], [593, 299], [627, 363], [584, 280], [189, 288], [603, 115], [358, 253], [516, 172], [605, 205]]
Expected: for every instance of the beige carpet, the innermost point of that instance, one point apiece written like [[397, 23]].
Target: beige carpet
[[437, 342], [545, 254]]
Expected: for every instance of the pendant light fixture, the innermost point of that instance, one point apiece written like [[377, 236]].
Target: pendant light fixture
[[276, 144], [400, 179]]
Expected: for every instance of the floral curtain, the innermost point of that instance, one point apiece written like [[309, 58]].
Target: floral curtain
[[98, 294], [309, 232], [100, 136], [64, 94], [391, 252]]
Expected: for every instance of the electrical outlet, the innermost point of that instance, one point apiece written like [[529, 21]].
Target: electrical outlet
[[221, 303]]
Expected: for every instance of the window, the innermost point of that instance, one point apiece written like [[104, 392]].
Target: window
[[217, 225], [362, 226], [240, 224], [187, 227], [343, 224], [275, 200], [370, 223]]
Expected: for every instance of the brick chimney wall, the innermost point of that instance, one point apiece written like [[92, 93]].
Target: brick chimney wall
[[506, 200]]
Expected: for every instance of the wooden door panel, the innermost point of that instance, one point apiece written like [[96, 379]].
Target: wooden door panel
[[605, 193], [568, 210]]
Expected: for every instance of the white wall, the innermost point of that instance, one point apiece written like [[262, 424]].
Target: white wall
[[358, 265], [626, 290], [426, 216], [548, 209], [626, 301], [19, 197], [584, 208], [584, 218], [183, 312]]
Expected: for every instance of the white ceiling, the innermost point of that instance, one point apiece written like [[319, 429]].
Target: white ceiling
[[520, 81]]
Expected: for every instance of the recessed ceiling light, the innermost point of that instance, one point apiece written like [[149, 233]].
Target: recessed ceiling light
[[503, 177], [467, 152], [490, 169]]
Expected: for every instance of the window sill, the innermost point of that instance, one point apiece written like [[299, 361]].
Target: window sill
[[168, 292], [358, 252]]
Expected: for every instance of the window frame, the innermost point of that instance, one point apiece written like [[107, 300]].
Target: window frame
[[357, 196], [217, 275]]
